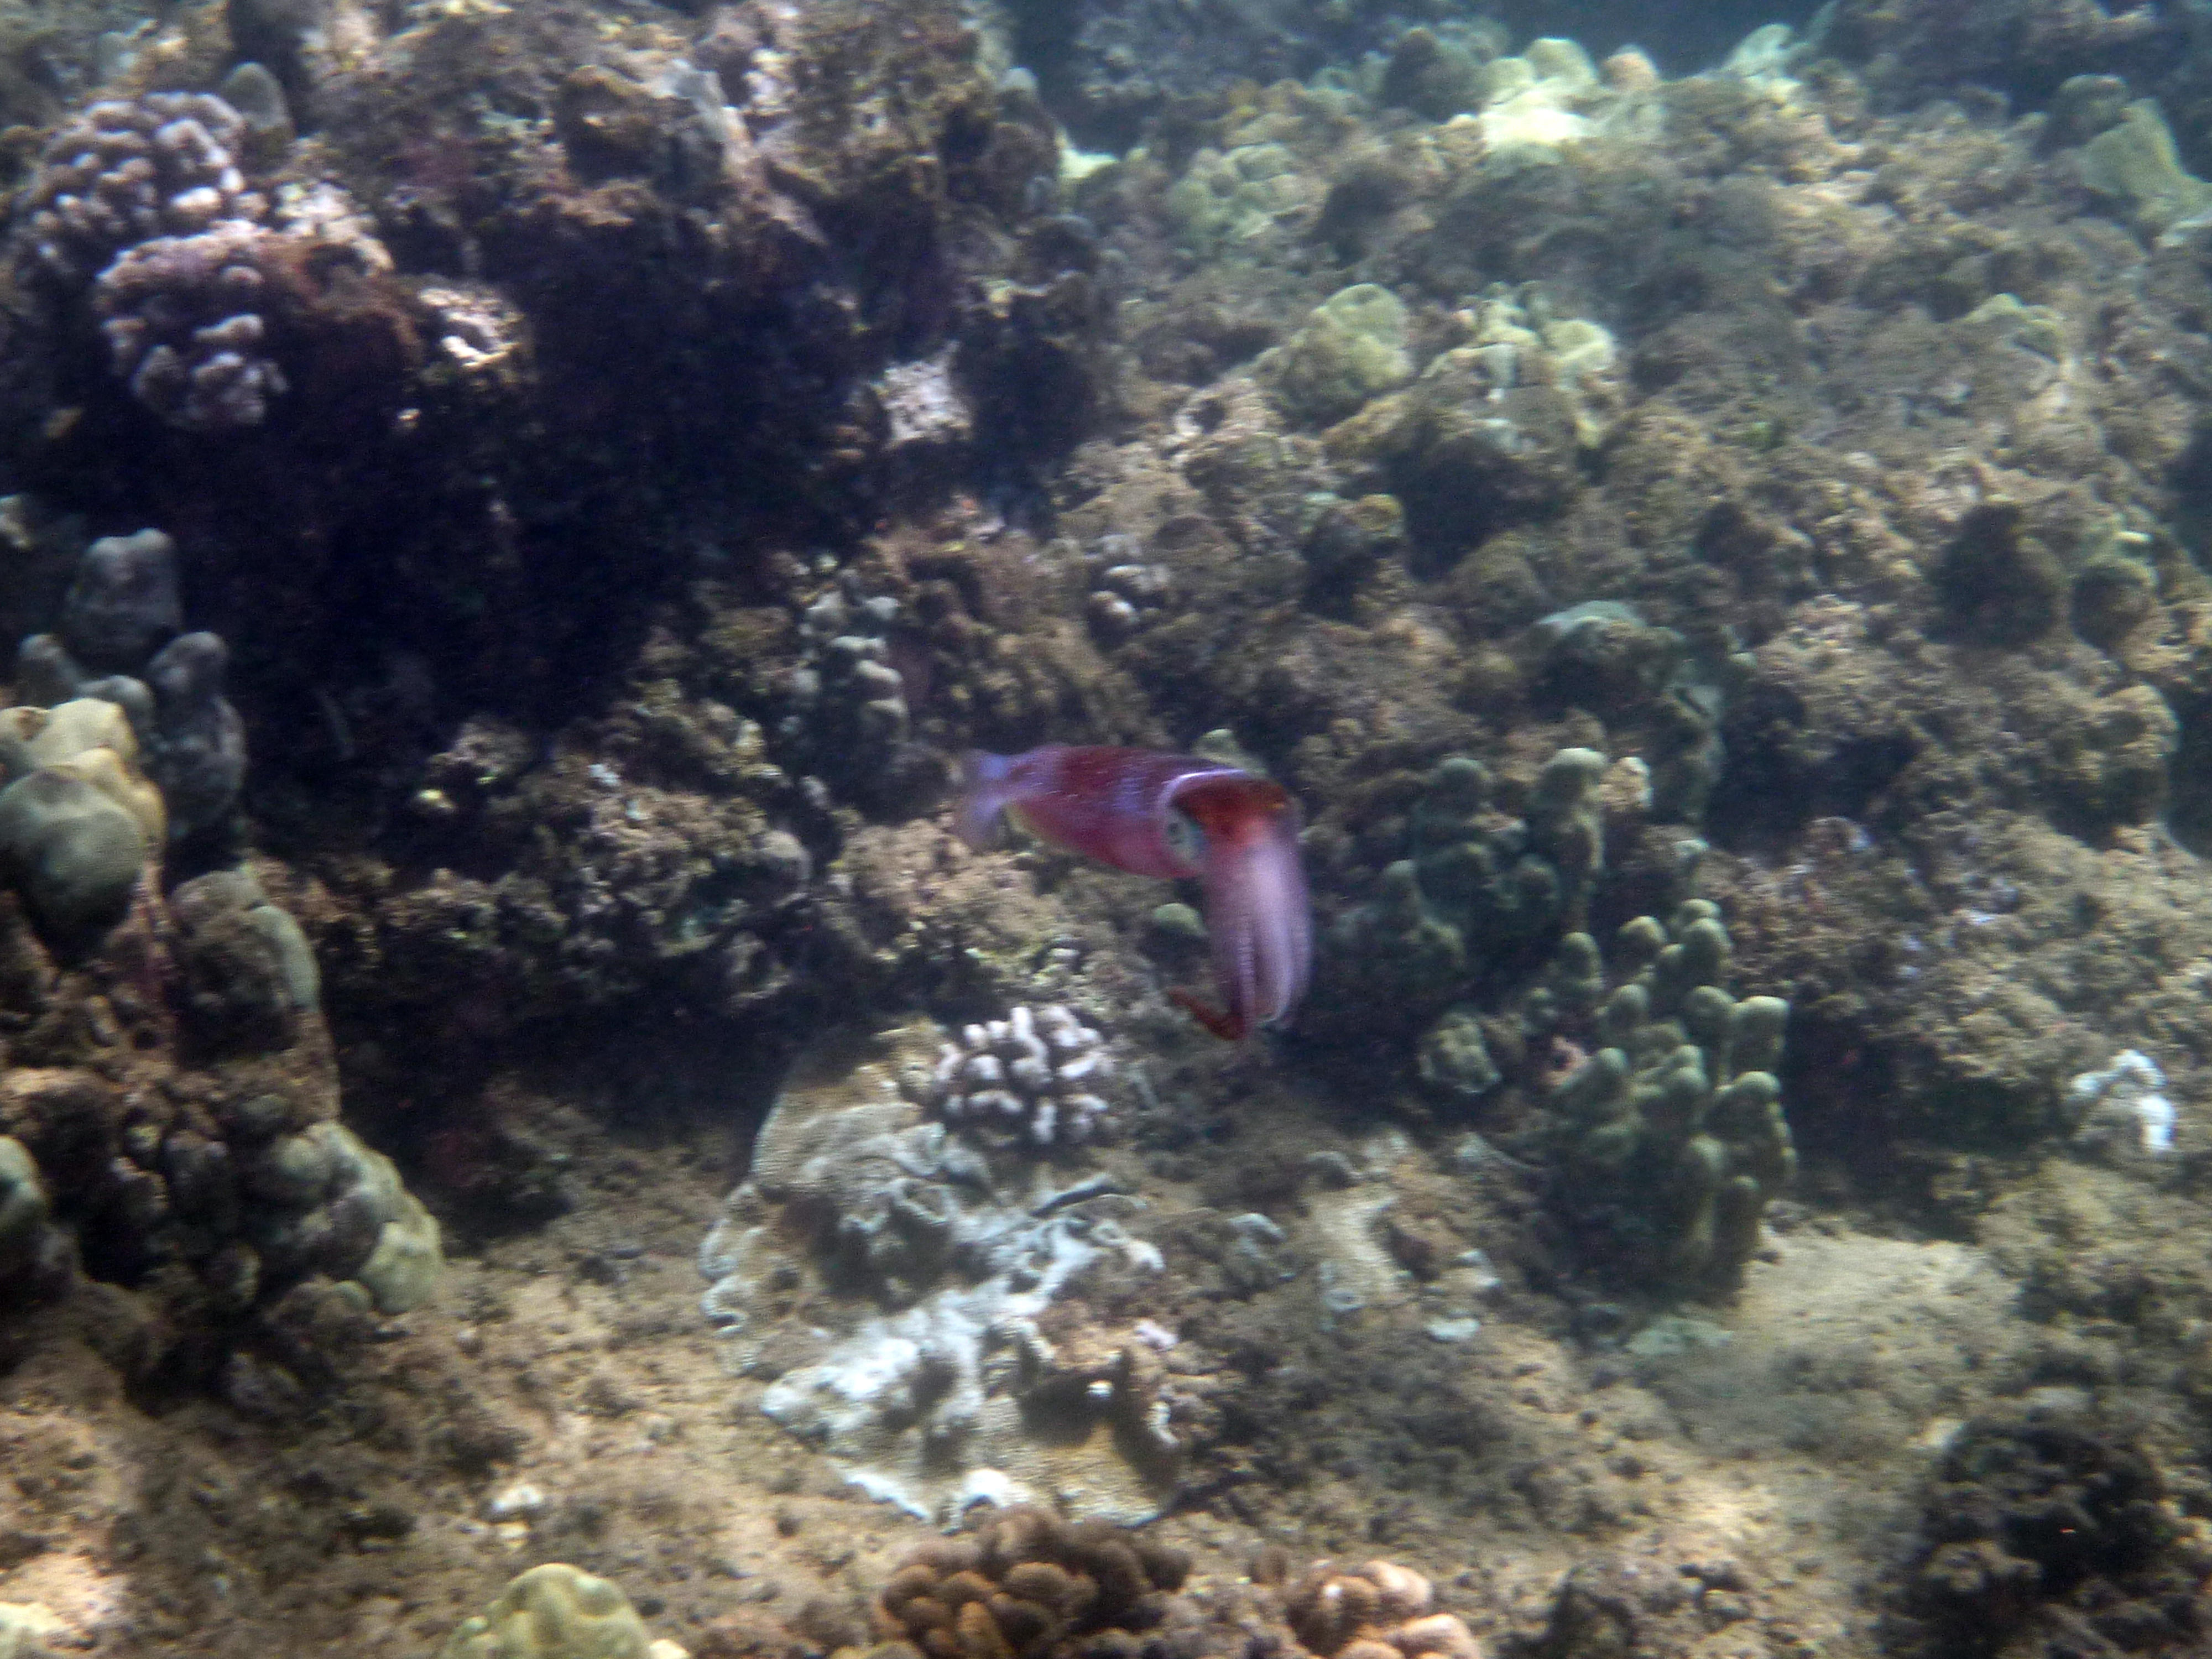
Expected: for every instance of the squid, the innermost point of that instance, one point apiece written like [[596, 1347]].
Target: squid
[[1173, 817]]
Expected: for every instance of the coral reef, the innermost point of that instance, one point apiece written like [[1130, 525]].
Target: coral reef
[[620, 457]]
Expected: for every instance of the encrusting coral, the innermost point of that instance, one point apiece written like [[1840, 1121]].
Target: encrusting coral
[[1027, 1585]]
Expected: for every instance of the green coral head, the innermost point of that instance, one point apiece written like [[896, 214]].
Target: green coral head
[[554, 1611]]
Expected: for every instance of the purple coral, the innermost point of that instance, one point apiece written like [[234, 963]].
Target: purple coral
[[184, 323], [123, 173]]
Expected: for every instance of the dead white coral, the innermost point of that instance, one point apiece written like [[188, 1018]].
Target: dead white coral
[[1030, 1077]]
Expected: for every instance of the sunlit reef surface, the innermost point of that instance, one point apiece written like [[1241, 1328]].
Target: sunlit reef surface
[[522, 1132]]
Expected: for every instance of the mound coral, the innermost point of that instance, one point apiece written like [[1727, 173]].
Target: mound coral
[[1378, 1610], [1027, 1585]]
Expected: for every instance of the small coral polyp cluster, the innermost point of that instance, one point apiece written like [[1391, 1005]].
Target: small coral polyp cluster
[[1028, 1077]]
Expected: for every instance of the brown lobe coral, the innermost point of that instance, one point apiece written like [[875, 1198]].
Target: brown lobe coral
[[1029, 1585]]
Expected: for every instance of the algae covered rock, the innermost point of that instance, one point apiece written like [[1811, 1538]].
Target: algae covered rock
[[2135, 162], [1353, 348], [554, 1611]]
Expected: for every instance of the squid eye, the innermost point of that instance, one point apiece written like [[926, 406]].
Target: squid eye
[[1185, 839]]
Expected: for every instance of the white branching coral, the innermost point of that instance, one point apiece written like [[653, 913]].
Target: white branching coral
[[1027, 1076]]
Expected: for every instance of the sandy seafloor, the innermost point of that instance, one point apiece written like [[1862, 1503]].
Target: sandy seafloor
[[1745, 1491]]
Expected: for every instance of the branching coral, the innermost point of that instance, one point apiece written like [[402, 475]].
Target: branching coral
[[124, 173], [1028, 1078], [1673, 1130]]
